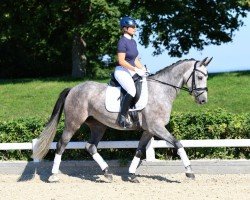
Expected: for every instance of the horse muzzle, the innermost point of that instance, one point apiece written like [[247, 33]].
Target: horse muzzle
[[203, 101], [200, 97]]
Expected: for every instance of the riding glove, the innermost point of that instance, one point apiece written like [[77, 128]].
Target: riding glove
[[140, 72]]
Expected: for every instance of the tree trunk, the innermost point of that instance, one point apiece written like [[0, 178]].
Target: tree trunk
[[79, 60]]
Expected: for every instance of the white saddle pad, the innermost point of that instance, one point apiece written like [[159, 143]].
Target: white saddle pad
[[112, 100]]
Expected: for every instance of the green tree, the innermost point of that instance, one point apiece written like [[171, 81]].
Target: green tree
[[177, 26], [37, 36], [40, 38], [33, 39]]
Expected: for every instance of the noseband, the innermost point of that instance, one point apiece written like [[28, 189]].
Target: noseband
[[193, 87]]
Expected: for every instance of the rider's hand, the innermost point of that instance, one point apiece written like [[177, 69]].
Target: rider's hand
[[147, 72], [140, 72]]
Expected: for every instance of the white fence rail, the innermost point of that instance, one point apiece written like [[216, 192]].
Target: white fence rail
[[150, 151]]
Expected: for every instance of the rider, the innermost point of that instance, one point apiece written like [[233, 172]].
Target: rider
[[128, 66]]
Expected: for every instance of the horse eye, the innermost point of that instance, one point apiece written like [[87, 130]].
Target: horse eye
[[200, 77]]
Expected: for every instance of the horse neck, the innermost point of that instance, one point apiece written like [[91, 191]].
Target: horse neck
[[175, 74]]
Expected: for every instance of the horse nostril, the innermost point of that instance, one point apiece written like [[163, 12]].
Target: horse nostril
[[203, 101]]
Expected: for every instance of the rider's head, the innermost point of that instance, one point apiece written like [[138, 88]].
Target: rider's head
[[128, 25]]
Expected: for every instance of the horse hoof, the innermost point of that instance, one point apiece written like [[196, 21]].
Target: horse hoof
[[53, 179], [190, 175], [132, 178], [109, 177]]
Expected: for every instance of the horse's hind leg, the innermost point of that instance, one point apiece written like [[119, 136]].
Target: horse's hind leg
[[97, 131], [139, 152], [68, 132]]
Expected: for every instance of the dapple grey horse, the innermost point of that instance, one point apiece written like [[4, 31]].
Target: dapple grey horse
[[84, 103]]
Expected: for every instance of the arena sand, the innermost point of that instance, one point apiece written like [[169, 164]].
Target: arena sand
[[167, 187]]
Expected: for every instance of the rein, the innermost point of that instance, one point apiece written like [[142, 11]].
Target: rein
[[189, 90], [174, 86]]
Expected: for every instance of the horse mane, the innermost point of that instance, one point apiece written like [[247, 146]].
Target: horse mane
[[170, 67]]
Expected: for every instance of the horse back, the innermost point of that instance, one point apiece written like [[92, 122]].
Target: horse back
[[87, 92]]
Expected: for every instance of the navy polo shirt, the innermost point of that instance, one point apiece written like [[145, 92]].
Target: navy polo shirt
[[129, 47]]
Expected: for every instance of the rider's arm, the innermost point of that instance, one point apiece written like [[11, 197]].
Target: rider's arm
[[122, 62], [138, 64]]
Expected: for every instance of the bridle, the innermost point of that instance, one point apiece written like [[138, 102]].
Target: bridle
[[193, 88]]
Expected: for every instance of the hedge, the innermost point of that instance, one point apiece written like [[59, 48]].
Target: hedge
[[211, 124]]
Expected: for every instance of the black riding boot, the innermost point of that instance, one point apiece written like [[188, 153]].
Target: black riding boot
[[122, 118]]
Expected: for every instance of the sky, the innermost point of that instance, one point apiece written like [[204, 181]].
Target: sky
[[233, 56]]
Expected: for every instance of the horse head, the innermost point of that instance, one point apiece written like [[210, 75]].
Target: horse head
[[196, 80]]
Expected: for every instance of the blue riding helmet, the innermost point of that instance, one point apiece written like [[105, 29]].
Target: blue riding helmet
[[127, 22]]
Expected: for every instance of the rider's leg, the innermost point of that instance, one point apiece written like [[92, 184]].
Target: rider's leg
[[127, 83], [125, 104]]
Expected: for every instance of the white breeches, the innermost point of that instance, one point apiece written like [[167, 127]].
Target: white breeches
[[124, 77]]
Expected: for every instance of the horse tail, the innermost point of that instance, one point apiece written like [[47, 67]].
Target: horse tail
[[42, 145]]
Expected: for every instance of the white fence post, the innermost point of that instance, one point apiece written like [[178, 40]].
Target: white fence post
[[34, 141], [150, 152]]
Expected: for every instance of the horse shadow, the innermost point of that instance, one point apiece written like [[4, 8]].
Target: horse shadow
[[42, 170], [33, 169], [89, 173], [153, 177]]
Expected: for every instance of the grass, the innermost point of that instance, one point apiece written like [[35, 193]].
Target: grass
[[230, 91], [31, 97], [22, 98]]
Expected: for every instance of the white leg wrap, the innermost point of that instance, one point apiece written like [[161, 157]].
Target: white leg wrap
[[134, 164], [182, 153], [57, 161], [97, 157]]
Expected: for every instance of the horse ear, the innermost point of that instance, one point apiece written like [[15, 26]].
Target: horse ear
[[208, 61], [202, 62]]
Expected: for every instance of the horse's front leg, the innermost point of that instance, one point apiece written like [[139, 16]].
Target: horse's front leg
[[161, 132], [186, 162], [139, 152]]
